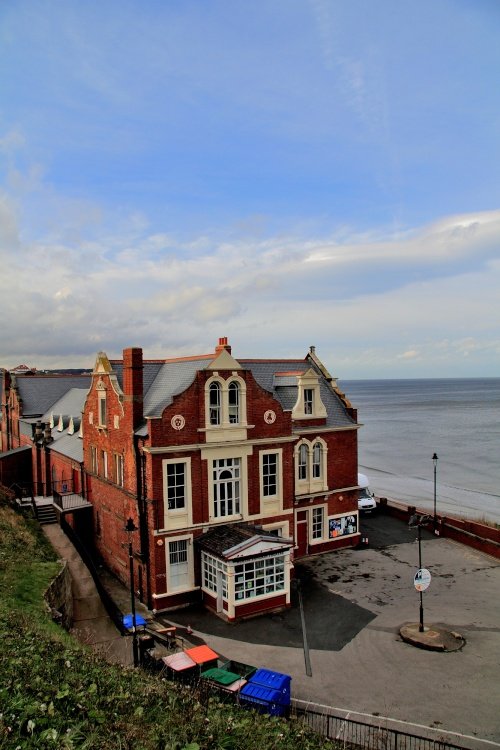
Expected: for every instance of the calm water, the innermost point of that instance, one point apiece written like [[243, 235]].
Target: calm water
[[406, 421]]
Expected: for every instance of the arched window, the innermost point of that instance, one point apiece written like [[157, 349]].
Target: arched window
[[317, 468], [234, 403], [226, 479], [303, 459], [215, 403]]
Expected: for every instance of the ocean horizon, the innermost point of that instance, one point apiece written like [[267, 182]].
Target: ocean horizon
[[405, 421]]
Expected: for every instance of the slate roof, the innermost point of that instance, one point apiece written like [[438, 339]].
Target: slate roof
[[220, 539], [70, 404], [264, 372], [68, 445], [173, 377], [40, 392], [13, 451]]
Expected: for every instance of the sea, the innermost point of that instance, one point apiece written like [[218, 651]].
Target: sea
[[404, 422]]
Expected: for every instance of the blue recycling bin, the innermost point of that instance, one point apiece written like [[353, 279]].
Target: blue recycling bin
[[268, 692]]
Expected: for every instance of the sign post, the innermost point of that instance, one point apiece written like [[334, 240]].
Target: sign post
[[422, 579]]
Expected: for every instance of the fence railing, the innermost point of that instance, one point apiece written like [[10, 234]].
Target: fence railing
[[69, 500], [374, 735]]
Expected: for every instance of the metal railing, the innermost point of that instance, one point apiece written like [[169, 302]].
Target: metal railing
[[376, 735], [69, 500]]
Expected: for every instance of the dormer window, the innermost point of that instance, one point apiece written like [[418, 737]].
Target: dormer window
[[215, 403], [308, 401], [225, 406], [234, 403], [309, 404]]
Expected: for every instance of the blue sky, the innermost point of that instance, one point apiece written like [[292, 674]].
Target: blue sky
[[284, 173]]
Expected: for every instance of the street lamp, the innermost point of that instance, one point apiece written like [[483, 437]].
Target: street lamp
[[130, 528], [435, 462], [418, 522]]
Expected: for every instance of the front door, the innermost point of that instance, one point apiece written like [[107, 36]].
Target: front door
[[301, 533]]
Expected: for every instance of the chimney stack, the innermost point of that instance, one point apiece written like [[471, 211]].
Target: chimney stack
[[223, 346], [133, 382]]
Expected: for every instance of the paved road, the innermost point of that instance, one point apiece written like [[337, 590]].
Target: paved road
[[355, 602]]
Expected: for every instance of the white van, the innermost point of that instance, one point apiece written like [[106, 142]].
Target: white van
[[366, 500]]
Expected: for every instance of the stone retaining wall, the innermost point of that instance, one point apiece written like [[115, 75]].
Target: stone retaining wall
[[59, 598]]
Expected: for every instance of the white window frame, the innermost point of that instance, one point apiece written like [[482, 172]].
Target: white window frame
[[215, 405], [219, 466], [307, 479], [103, 409], [119, 469], [318, 525], [229, 412], [233, 404], [210, 566], [267, 478], [175, 471], [317, 465], [259, 577], [105, 467], [177, 517], [309, 404], [309, 401], [303, 462]]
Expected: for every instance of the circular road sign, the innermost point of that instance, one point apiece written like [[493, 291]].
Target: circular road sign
[[422, 579]]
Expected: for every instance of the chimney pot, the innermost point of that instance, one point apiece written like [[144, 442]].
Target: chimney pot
[[223, 345]]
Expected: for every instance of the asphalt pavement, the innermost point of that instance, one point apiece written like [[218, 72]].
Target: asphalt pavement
[[355, 603]]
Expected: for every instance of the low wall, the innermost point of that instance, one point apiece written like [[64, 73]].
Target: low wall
[[472, 533], [59, 598]]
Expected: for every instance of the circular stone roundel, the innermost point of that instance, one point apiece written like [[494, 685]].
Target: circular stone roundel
[[177, 421], [269, 416]]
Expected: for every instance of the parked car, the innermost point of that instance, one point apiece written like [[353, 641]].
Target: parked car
[[366, 499]]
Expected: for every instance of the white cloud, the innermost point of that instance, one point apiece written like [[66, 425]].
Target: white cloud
[[421, 301]]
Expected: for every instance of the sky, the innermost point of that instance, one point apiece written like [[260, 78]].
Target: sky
[[285, 173]]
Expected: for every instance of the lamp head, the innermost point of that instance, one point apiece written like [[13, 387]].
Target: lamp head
[[130, 526], [435, 459]]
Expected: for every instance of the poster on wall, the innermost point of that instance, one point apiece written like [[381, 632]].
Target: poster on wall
[[342, 526]]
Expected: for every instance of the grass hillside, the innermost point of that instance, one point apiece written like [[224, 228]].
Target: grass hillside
[[54, 693]]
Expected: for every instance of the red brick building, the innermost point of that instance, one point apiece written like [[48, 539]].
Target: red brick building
[[229, 468], [41, 449]]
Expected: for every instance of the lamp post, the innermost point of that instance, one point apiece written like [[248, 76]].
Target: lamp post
[[418, 522], [130, 528], [435, 462]]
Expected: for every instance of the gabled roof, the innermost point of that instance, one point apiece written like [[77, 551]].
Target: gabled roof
[[163, 380], [40, 392], [234, 541]]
